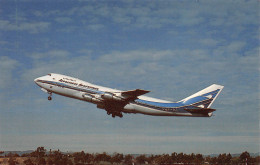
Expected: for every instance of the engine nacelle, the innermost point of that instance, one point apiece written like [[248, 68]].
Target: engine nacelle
[[91, 99], [108, 96]]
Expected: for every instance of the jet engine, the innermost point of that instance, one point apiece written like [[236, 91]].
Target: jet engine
[[109, 96], [90, 98]]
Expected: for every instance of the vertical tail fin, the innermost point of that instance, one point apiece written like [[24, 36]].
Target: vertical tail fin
[[205, 97]]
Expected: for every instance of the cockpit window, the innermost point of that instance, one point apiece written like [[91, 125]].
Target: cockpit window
[[49, 74]]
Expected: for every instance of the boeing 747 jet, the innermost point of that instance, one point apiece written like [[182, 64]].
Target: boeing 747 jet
[[117, 102]]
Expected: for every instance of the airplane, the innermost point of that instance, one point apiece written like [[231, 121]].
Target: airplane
[[117, 102]]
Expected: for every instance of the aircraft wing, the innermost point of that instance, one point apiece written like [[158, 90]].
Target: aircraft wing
[[124, 96], [134, 93], [115, 103]]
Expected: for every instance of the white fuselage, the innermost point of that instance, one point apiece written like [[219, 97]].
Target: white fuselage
[[82, 90]]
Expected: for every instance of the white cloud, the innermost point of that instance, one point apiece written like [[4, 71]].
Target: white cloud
[[7, 66], [85, 52], [154, 15], [235, 47], [31, 27], [3, 42], [52, 54], [209, 42], [63, 20], [95, 27], [34, 27]]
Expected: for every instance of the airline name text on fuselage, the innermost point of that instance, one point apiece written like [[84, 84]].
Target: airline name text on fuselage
[[69, 81]]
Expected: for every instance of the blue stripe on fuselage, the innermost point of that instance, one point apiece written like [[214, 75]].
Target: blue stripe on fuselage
[[158, 104]]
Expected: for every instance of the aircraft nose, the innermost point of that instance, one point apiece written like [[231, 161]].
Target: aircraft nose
[[36, 80], [39, 79]]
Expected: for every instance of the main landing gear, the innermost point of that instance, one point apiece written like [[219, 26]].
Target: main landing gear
[[114, 114], [49, 97]]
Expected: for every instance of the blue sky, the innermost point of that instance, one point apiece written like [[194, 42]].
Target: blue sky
[[172, 48]]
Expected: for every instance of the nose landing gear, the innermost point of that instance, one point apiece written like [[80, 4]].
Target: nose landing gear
[[49, 97]]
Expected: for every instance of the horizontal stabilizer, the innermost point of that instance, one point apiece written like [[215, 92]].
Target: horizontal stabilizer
[[201, 110]]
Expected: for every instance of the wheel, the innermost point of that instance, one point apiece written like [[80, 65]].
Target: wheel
[[49, 98], [113, 115], [108, 113]]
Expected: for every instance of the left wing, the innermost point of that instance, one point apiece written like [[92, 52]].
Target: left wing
[[133, 94], [115, 102], [123, 96]]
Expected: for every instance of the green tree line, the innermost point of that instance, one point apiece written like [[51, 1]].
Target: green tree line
[[41, 157]]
